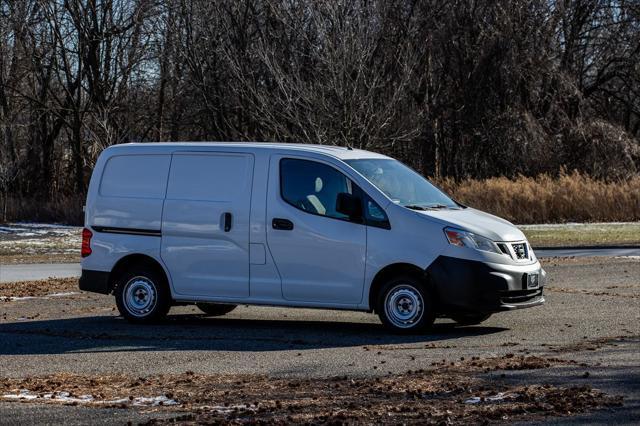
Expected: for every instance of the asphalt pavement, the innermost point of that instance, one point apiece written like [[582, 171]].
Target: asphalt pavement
[[38, 271], [591, 317]]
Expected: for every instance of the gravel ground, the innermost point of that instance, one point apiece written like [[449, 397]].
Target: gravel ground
[[572, 357]]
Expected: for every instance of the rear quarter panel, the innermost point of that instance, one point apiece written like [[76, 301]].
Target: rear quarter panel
[[116, 206]]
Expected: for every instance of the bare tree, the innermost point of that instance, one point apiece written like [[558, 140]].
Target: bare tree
[[456, 89]]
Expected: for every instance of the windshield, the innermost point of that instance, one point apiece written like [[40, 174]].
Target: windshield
[[403, 185]]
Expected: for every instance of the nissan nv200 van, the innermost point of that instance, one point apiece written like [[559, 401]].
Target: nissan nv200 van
[[223, 224]]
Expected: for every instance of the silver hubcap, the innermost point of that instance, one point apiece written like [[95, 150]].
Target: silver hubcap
[[140, 296], [404, 306]]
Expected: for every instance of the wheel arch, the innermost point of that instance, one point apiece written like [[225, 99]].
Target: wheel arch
[[135, 259], [393, 270]]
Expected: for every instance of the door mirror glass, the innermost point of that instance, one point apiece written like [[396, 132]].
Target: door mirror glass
[[349, 205]]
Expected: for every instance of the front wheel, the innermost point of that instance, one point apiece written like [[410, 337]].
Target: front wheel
[[405, 306], [215, 309], [142, 295]]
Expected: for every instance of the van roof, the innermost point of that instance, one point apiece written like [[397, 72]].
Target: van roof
[[341, 152]]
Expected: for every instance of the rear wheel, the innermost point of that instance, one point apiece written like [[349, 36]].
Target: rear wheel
[[142, 295], [405, 306], [215, 309], [470, 319]]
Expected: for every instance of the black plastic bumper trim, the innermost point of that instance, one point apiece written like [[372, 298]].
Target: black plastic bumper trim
[[472, 286], [95, 281]]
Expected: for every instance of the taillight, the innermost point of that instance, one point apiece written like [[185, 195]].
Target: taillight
[[86, 242]]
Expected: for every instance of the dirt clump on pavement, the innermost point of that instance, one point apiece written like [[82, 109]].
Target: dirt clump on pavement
[[460, 393], [39, 288], [517, 362], [594, 344]]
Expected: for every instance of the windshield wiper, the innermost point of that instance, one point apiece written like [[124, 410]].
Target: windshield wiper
[[426, 207], [416, 207]]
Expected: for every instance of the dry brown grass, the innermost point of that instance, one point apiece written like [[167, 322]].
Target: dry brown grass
[[571, 197], [60, 209], [544, 199]]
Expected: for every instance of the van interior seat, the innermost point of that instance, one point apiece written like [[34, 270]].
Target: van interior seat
[[316, 204]]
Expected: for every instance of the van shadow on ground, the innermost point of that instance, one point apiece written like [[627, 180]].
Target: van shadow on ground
[[198, 333]]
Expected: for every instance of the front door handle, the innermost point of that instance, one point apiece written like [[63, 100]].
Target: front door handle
[[282, 224]]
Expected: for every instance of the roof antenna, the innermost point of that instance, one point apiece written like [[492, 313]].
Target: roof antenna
[[349, 148]]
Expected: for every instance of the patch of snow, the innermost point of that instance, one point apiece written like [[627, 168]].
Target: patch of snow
[[12, 229], [25, 394], [230, 408], [142, 401], [154, 401], [28, 242], [66, 397], [494, 398], [57, 396], [19, 298], [16, 298], [62, 294], [22, 394], [23, 231], [43, 225]]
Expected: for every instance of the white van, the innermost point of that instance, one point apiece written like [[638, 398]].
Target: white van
[[222, 224]]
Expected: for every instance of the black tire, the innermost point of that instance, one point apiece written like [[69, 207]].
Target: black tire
[[142, 295], [215, 309], [396, 300], [470, 319]]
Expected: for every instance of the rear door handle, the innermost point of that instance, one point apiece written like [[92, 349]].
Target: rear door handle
[[227, 222], [282, 224]]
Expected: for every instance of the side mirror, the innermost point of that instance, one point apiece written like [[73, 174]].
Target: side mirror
[[350, 205]]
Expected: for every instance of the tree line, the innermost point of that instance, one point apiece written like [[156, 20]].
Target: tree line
[[456, 89]]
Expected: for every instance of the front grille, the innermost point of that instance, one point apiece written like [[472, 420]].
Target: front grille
[[504, 249], [520, 250]]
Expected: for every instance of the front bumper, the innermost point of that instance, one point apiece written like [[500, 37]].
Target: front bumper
[[468, 286]]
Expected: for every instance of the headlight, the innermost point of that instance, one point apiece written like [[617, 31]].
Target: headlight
[[461, 238]]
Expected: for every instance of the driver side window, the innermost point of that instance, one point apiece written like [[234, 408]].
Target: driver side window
[[313, 187]]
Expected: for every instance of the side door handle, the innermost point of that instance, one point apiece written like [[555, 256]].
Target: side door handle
[[282, 224], [227, 222]]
